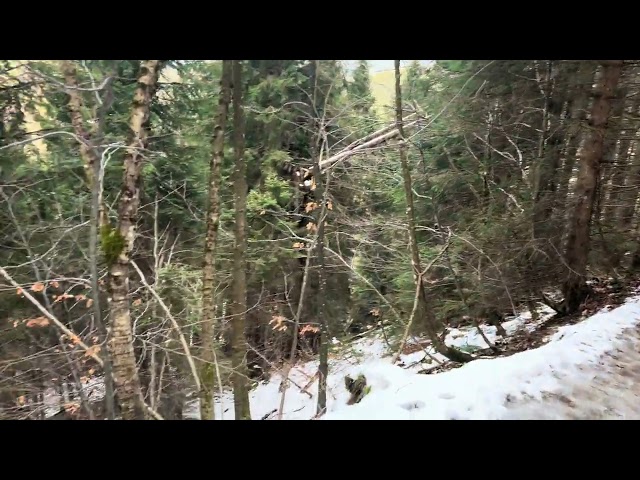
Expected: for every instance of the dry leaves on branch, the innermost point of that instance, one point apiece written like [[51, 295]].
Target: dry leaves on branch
[[375, 312], [54, 284], [311, 206], [60, 298], [137, 302], [38, 322], [278, 322], [37, 287], [298, 245], [309, 328], [19, 291], [312, 227]]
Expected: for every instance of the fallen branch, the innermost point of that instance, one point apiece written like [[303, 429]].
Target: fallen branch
[[344, 154]]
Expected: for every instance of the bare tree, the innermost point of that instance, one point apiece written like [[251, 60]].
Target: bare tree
[[211, 243], [422, 308], [121, 240], [239, 291], [90, 151]]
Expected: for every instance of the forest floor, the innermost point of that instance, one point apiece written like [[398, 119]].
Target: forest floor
[[586, 366]]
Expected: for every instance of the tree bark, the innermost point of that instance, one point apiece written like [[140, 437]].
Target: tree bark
[[207, 372], [91, 160], [321, 317], [423, 310], [623, 201], [577, 116], [239, 290], [120, 345], [578, 241]]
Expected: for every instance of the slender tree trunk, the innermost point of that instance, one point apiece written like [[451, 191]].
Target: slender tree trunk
[[239, 291], [628, 198], [548, 160], [91, 159], [423, 310], [323, 340], [207, 372], [125, 373], [578, 241], [624, 201], [607, 189]]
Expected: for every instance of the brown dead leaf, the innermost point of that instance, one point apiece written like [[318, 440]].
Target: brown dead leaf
[[89, 302], [278, 323], [312, 227], [309, 328], [37, 287], [375, 312], [80, 298], [71, 407], [21, 400], [54, 284], [298, 245], [75, 339], [38, 322], [137, 302], [64, 296], [91, 351], [311, 206]]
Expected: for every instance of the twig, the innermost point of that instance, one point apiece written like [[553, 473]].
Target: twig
[[174, 324], [72, 336], [415, 301]]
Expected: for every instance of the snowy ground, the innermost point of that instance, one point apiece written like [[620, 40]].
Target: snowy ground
[[587, 370]]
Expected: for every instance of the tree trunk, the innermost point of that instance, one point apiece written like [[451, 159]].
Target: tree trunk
[[423, 310], [610, 174], [549, 150], [208, 269], [323, 339], [239, 290], [91, 160], [629, 189], [120, 345], [577, 116], [578, 241]]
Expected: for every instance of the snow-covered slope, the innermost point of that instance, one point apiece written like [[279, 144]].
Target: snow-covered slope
[[588, 370]]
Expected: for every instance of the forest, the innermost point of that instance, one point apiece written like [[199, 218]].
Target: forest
[[175, 233]]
